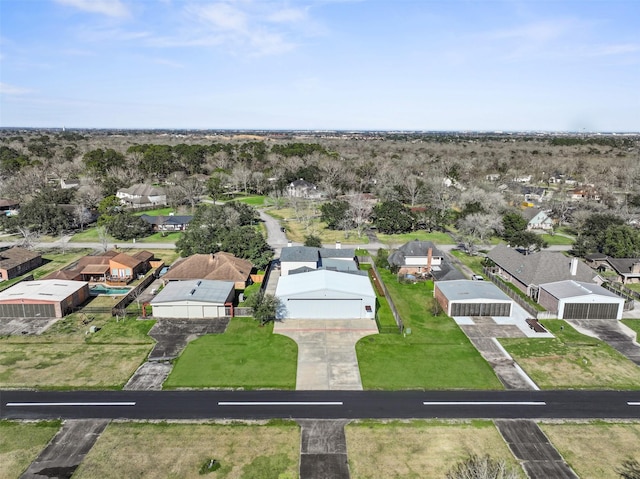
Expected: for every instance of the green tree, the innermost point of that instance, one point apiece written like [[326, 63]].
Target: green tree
[[335, 214], [621, 241], [126, 226], [513, 224], [265, 307], [313, 240], [108, 208], [391, 217], [42, 216], [216, 186], [99, 161]]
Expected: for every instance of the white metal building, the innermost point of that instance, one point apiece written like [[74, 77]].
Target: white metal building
[[326, 294], [577, 300], [472, 298], [46, 298], [195, 299]]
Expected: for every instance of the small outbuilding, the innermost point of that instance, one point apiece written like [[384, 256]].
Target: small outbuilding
[[52, 298], [472, 298], [326, 294], [195, 299], [579, 300]]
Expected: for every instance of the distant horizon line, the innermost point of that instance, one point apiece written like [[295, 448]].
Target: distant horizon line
[[323, 130]]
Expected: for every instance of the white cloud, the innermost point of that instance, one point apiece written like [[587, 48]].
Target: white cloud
[[169, 63], [288, 15], [12, 90], [110, 8]]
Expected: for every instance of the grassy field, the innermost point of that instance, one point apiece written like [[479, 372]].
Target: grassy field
[[91, 236], [436, 355], [472, 262], [419, 449], [256, 201], [162, 450], [399, 239], [594, 450], [66, 357], [572, 361], [20, 444], [554, 240], [245, 356]]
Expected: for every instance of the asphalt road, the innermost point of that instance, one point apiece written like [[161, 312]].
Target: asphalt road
[[195, 405]]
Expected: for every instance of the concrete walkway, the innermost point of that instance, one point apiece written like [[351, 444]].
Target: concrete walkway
[[529, 445], [323, 449], [326, 351], [66, 451]]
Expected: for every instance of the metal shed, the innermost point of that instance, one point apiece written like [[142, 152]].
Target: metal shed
[[195, 299], [325, 294], [579, 300], [472, 298]]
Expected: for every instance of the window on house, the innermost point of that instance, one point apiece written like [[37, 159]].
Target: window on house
[[368, 309]]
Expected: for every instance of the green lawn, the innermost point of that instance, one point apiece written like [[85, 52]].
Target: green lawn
[[435, 355], [91, 236], [256, 201], [572, 360], [633, 286], [246, 356], [633, 324], [472, 262], [21, 442], [552, 240], [437, 237]]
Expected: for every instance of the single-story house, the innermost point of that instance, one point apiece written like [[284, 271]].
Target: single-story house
[[325, 294], [303, 189], [141, 195], [195, 299], [9, 207], [17, 261], [43, 298], [577, 300], [472, 298], [296, 257], [528, 271], [220, 266], [110, 266], [168, 223], [416, 257], [627, 269], [537, 219]]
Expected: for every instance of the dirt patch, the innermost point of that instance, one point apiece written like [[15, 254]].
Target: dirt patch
[[24, 326], [160, 450], [425, 449], [595, 449]]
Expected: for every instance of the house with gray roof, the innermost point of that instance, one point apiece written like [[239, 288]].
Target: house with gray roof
[[578, 300], [142, 195], [167, 223], [627, 269], [296, 257], [528, 271], [196, 299], [417, 258]]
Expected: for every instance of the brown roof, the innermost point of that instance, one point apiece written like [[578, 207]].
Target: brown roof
[[96, 269], [126, 260], [4, 203], [144, 255], [15, 256], [220, 266], [63, 274]]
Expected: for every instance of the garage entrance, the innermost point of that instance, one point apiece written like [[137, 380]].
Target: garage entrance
[[324, 309], [480, 309], [590, 311], [27, 311]]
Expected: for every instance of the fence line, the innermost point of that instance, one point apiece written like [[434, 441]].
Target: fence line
[[495, 279], [394, 311], [120, 307], [628, 294]]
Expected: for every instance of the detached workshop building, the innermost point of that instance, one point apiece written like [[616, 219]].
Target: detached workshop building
[[578, 300], [195, 299], [48, 298], [472, 298]]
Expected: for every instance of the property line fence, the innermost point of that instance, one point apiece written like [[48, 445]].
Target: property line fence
[[119, 309], [495, 279], [392, 306], [621, 290]]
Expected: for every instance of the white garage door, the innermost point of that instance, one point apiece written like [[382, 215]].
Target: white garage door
[[324, 309]]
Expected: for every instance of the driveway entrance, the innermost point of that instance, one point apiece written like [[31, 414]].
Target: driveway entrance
[[326, 351]]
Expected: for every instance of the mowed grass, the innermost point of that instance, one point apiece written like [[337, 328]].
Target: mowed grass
[[438, 237], [436, 355], [67, 357], [594, 450], [472, 262], [20, 444], [419, 449], [633, 324], [91, 236], [556, 240], [572, 360], [246, 355], [256, 201], [164, 450]]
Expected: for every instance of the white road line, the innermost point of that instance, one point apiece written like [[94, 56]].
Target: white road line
[[38, 404], [484, 403], [633, 403], [280, 403]]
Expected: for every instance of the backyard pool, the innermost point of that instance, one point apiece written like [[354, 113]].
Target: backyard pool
[[112, 290]]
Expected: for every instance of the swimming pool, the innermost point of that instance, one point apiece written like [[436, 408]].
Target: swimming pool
[[110, 290]]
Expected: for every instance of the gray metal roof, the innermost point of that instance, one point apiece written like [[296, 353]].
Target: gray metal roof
[[322, 279], [339, 264], [571, 289], [42, 290], [538, 268], [310, 253], [201, 290], [466, 290]]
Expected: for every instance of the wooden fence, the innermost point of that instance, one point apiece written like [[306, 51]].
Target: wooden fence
[[386, 294], [495, 279], [629, 295]]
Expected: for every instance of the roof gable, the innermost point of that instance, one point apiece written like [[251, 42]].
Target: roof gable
[[218, 266]]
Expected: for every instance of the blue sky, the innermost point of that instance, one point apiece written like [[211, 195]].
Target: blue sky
[[553, 65]]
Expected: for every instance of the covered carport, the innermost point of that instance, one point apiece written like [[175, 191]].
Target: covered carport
[[472, 298]]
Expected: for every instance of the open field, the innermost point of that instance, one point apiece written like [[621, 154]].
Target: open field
[[572, 360], [20, 444], [65, 357], [437, 237], [435, 355], [256, 201], [419, 449], [245, 356], [634, 286], [554, 240], [90, 235], [161, 450], [594, 450]]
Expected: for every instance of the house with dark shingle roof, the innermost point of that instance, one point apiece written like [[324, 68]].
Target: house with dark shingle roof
[[416, 257], [296, 257], [528, 271], [627, 269], [168, 223], [16, 261], [220, 266]]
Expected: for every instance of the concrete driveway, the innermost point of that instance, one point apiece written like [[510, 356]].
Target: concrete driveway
[[326, 351], [616, 334]]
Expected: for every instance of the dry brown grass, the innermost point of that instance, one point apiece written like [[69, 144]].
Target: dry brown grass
[[20, 444], [178, 450], [296, 231], [419, 449], [595, 449]]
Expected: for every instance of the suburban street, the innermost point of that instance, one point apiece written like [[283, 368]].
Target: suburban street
[[194, 405]]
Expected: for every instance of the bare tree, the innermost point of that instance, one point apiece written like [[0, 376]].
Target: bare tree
[[359, 211], [29, 238], [103, 236], [482, 467]]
